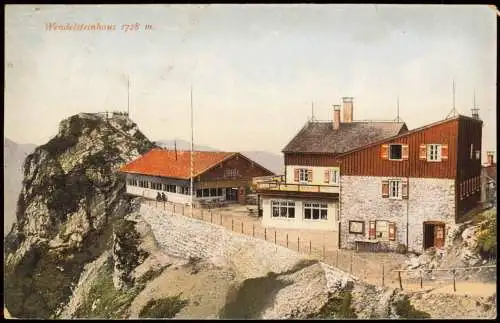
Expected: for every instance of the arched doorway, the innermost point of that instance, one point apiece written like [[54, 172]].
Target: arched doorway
[[433, 234]]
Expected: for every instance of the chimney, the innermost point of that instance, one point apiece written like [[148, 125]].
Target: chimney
[[336, 117], [347, 109], [491, 161]]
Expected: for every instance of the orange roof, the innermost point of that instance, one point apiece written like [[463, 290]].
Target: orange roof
[[161, 162]]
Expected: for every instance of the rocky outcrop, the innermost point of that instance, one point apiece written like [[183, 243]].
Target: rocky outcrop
[[71, 194]]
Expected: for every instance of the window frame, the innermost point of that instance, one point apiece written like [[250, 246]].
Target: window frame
[[305, 173], [283, 205], [335, 176], [399, 189], [313, 206], [437, 157], [380, 238], [390, 152]]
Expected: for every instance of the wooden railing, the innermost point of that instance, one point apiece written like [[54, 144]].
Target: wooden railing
[[280, 186]]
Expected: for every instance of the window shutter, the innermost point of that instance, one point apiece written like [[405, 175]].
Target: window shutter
[[404, 152], [296, 174], [309, 175], [385, 188], [404, 189], [392, 231], [371, 231], [384, 151], [327, 176], [444, 152], [423, 152]]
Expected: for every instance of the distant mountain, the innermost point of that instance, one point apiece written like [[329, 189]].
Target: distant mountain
[[14, 155], [271, 161]]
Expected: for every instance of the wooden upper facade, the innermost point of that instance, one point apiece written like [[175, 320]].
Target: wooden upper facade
[[452, 137]]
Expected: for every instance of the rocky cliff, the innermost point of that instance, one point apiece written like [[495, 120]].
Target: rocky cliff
[[71, 195]]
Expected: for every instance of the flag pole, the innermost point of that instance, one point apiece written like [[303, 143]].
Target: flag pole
[[192, 147]]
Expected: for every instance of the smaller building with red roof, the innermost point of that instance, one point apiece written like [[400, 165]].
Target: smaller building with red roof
[[223, 176]]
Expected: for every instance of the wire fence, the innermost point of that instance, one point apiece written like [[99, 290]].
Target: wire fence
[[378, 272]]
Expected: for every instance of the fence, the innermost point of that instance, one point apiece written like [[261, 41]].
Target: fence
[[380, 272]]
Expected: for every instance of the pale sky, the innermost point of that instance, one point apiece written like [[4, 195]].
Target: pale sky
[[255, 69]]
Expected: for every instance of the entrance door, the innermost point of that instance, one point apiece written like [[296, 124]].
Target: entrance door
[[433, 235], [231, 194]]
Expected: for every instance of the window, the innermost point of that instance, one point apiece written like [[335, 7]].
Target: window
[[395, 189], [315, 211], [156, 186], [335, 176], [303, 175], [283, 209], [219, 192], [395, 152], [231, 172], [213, 192], [132, 182], [144, 184], [357, 227], [206, 192], [478, 154], [434, 152], [198, 193], [382, 230]]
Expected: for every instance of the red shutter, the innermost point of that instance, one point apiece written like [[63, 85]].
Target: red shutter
[[392, 231], [309, 175], [422, 152], [384, 151], [371, 230], [327, 176], [405, 152], [404, 189], [385, 188], [296, 175], [444, 152]]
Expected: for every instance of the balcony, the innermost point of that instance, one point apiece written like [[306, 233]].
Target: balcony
[[277, 183]]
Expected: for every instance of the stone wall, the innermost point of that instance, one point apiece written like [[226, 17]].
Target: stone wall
[[429, 200]]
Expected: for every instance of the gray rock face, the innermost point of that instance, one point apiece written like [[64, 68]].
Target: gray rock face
[[71, 192]]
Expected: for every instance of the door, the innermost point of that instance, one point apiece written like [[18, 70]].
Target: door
[[439, 236]]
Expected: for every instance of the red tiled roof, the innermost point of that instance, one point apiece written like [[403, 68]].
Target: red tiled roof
[[161, 162]]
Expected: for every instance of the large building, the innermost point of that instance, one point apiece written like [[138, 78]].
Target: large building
[[223, 176], [375, 183]]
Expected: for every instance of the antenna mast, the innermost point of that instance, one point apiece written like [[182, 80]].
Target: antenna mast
[[192, 147], [475, 109], [453, 112], [398, 119]]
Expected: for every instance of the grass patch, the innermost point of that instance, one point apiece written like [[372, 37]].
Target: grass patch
[[163, 307], [104, 301], [338, 306], [151, 274], [407, 311], [487, 235]]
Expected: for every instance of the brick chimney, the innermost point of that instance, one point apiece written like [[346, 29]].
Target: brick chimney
[[336, 117], [491, 160], [347, 109]]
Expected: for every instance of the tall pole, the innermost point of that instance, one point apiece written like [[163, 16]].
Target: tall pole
[[192, 147]]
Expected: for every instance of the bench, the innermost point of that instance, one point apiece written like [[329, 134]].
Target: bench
[[367, 245]]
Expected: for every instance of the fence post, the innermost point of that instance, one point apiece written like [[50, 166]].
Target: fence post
[[454, 281], [220, 219], [400, 282], [274, 236], [174, 207], [383, 274], [421, 279], [265, 234], [287, 240], [210, 216], [310, 246], [241, 226], [298, 243], [232, 224], [253, 230], [350, 265]]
